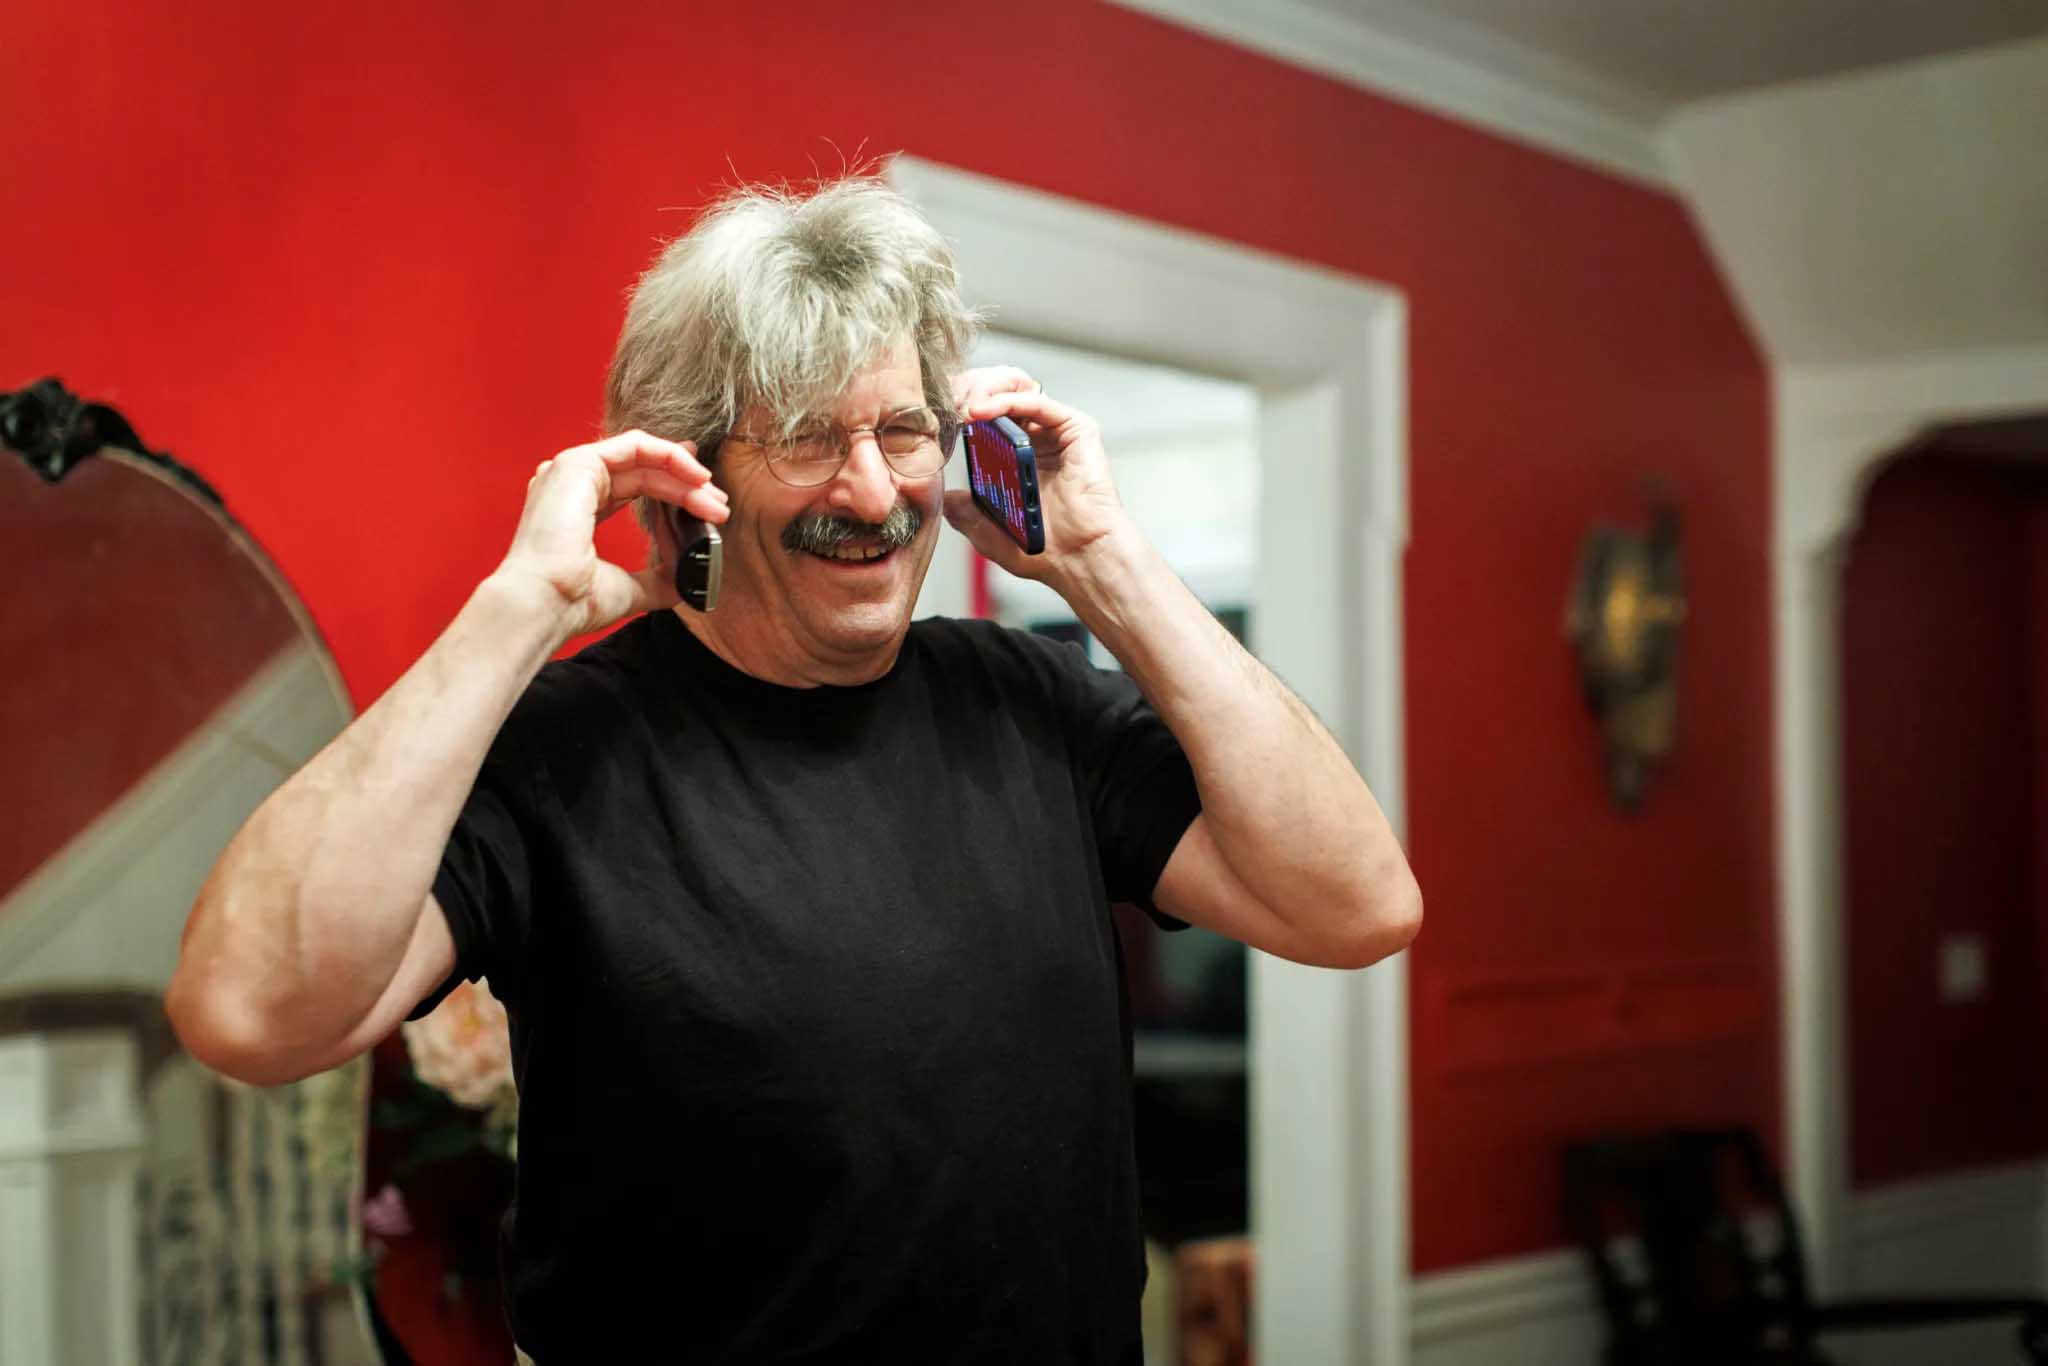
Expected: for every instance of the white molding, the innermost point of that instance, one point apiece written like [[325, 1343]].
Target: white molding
[[1911, 1207], [1328, 354], [71, 1143], [1506, 1293], [1462, 72], [277, 719], [1836, 426], [68, 1093], [1941, 386], [1466, 1314]]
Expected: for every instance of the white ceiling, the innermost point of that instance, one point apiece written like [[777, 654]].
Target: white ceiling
[[1871, 175], [1894, 211], [1675, 51], [1595, 80]]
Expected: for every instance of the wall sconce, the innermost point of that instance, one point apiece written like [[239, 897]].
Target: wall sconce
[[1624, 618]]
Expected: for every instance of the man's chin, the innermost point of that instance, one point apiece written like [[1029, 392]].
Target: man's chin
[[858, 615], [860, 628], [852, 609]]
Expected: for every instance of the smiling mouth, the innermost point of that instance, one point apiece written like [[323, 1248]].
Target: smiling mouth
[[850, 541], [851, 553]]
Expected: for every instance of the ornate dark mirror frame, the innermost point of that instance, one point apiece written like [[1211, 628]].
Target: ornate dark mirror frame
[[298, 1146], [54, 430]]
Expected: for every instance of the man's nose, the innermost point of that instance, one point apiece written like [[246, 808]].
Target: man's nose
[[865, 486]]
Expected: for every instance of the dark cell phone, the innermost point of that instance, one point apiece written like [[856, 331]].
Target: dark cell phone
[[700, 562], [1002, 473]]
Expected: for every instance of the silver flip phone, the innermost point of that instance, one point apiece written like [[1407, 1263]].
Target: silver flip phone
[[700, 564]]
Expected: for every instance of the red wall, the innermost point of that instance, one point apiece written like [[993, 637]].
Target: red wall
[[364, 272], [1941, 717]]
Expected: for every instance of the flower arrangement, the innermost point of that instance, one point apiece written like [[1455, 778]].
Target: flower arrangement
[[463, 1049], [449, 1123]]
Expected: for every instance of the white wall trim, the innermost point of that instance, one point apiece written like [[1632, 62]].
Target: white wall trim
[[291, 695], [1942, 1201], [1328, 355], [1544, 1307], [1501, 1294], [1462, 72], [1836, 427], [1941, 385]]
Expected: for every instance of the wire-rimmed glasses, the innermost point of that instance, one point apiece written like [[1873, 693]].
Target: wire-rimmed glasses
[[916, 442]]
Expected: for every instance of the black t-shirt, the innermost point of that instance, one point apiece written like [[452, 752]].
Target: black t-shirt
[[818, 1010]]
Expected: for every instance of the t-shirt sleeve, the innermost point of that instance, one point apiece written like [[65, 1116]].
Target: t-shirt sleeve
[[484, 885], [1141, 787]]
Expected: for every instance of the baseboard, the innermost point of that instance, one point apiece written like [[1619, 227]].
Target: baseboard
[[1499, 1294], [1543, 1308], [1940, 1202]]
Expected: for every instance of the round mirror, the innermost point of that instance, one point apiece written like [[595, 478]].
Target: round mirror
[[162, 680]]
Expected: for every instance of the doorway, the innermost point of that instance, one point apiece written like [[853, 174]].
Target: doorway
[[1836, 425], [1325, 353], [1184, 450], [1944, 764]]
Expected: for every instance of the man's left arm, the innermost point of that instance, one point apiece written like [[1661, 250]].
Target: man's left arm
[[1291, 854]]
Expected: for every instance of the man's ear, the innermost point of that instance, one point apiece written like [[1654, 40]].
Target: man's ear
[[659, 522]]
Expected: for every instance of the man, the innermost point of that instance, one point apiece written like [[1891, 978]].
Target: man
[[799, 910]]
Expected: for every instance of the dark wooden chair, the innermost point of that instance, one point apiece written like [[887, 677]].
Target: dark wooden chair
[[1697, 1284]]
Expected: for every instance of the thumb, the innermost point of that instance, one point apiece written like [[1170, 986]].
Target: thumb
[[984, 535], [655, 588]]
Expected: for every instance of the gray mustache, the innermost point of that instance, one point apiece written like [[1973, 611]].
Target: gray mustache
[[819, 532]]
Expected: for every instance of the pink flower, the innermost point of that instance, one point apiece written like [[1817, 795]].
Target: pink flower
[[464, 1047], [385, 1214]]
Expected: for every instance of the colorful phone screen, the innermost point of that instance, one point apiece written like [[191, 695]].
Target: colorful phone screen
[[1004, 480]]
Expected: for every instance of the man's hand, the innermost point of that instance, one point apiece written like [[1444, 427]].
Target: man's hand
[[554, 554], [318, 930], [1291, 853], [1075, 493], [971, 385]]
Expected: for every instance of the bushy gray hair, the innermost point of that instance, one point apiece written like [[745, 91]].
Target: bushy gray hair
[[780, 297]]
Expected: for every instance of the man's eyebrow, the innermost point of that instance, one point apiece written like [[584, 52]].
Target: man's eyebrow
[[900, 407], [896, 409]]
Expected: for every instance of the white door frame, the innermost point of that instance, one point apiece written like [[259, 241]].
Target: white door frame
[[1328, 355], [1836, 427]]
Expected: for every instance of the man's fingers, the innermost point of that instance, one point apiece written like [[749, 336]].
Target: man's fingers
[[639, 450], [991, 379], [984, 535], [620, 467], [662, 484], [636, 446], [1025, 407], [707, 501]]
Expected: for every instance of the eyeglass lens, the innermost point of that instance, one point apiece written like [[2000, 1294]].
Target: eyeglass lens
[[915, 443]]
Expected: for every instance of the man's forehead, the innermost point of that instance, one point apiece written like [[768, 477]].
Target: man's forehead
[[857, 405], [849, 409], [889, 384], [895, 383], [898, 402]]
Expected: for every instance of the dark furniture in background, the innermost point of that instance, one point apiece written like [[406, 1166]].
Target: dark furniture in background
[[1698, 1286]]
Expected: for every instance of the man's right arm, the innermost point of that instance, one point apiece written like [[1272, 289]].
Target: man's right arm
[[317, 921], [316, 932]]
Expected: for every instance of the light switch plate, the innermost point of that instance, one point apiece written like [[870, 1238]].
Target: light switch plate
[[1962, 971]]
